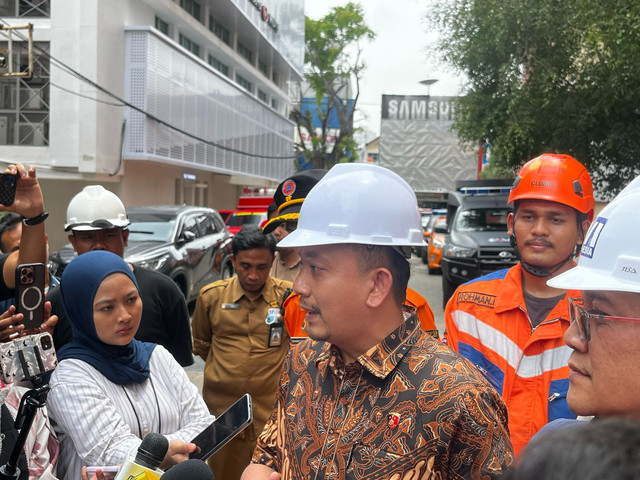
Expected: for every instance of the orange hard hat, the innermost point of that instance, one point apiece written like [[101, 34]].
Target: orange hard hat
[[556, 178]]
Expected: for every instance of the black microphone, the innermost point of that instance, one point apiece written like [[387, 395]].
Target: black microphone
[[150, 455], [193, 469]]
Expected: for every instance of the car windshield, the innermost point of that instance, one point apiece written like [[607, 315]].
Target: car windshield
[[482, 220], [150, 228], [242, 219]]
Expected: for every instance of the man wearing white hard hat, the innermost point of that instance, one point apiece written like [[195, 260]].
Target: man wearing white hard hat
[[370, 394], [97, 220], [605, 324]]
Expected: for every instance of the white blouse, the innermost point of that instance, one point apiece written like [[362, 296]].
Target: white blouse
[[101, 423]]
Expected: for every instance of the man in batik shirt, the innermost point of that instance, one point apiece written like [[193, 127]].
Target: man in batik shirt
[[370, 395]]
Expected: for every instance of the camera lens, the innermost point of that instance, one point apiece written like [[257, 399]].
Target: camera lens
[[45, 342]]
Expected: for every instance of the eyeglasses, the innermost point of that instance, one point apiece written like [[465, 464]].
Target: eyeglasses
[[579, 315]]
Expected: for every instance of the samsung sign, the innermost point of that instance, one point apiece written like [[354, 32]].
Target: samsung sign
[[417, 107]]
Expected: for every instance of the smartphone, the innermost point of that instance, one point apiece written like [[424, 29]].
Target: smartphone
[[8, 184], [27, 357], [226, 426], [104, 468], [30, 293]]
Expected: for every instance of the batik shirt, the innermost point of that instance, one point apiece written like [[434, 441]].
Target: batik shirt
[[408, 408]]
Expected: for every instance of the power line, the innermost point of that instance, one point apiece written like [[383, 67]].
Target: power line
[[62, 66]]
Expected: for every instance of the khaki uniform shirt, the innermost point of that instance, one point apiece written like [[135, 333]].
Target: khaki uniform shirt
[[231, 335], [281, 271]]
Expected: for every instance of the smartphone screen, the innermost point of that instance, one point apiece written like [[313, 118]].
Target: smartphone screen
[[30, 293], [226, 426], [7, 188]]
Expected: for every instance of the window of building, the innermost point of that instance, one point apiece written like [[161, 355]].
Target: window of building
[[262, 96], [162, 26], [244, 82], [245, 52], [274, 76], [191, 7], [24, 102], [264, 68], [218, 65], [25, 8], [219, 31], [189, 45], [274, 104]]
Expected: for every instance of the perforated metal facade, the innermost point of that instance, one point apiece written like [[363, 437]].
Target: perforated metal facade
[[416, 142], [183, 91]]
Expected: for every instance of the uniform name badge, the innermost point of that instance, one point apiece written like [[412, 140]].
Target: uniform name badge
[[275, 334]]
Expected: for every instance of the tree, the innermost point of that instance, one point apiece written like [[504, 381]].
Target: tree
[[549, 75], [332, 60]]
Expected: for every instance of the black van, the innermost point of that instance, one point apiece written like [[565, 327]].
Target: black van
[[476, 242]]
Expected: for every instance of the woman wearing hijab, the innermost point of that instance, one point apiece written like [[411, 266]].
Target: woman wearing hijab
[[110, 390]]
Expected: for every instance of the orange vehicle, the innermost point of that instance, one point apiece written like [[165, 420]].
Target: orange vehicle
[[436, 242]]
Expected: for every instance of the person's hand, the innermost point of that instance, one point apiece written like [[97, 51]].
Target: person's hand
[[48, 324], [178, 452], [28, 200], [96, 476], [11, 326]]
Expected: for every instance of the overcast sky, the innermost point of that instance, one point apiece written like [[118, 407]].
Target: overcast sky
[[397, 60]]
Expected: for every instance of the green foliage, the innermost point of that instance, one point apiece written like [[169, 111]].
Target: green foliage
[[332, 60], [550, 75]]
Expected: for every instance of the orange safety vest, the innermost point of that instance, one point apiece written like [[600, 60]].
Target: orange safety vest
[[294, 316], [486, 321]]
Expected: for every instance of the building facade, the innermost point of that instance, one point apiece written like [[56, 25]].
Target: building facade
[[161, 101]]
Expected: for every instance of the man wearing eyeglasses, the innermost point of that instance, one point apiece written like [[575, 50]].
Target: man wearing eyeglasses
[[605, 325], [510, 323]]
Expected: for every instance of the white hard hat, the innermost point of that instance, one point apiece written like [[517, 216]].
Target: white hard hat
[[95, 208], [358, 203], [610, 255]]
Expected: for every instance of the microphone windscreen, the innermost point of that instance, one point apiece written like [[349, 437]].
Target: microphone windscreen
[[152, 450], [193, 469]]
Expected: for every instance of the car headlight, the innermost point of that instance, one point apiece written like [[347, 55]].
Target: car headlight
[[458, 251], [155, 263], [438, 242]]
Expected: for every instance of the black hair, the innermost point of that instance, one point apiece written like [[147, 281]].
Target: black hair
[[8, 222], [376, 256], [595, 450], [251, 237], [271, 209]]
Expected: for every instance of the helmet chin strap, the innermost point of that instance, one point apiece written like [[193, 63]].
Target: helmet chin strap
[[535, 270]]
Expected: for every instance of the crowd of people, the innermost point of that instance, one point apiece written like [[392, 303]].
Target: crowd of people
[[534, 376]]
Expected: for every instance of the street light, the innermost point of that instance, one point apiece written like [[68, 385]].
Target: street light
[[428, 82]]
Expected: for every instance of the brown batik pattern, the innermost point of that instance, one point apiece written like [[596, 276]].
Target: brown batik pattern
[[410, 408]]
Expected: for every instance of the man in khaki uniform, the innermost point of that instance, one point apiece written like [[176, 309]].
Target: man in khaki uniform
[[239, 331]]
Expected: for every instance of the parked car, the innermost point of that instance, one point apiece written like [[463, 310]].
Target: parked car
[[189, 244], [427, 228], [425, 214], [436, 242], [239, 219]]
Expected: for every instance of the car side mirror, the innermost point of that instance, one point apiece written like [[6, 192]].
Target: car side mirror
[[187, 236]]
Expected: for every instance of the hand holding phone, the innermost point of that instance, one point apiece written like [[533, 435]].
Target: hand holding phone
[[228, 424], [8, 184], [30, 295]]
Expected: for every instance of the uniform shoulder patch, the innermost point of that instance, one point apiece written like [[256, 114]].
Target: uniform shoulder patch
[[214, 285]]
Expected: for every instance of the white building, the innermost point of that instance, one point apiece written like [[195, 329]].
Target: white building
[[213, 81]]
